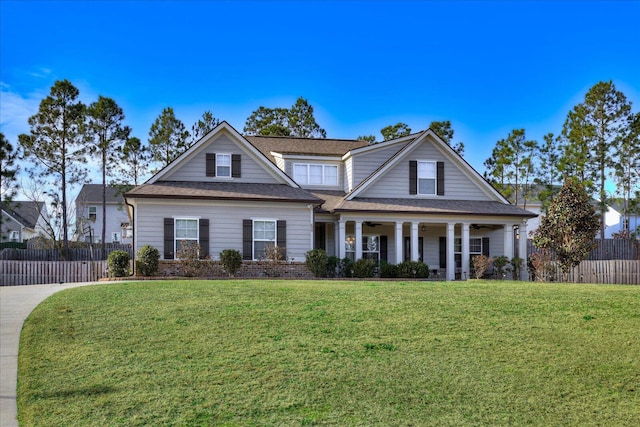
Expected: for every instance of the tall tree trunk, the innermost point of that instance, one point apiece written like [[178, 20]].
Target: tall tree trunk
[[103, 248]]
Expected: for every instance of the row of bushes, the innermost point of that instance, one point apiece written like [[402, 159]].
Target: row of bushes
[[501, 266], [147, 259], [322, 265]]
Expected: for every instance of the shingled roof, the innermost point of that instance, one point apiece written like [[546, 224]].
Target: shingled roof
[[223, 191], [25, 212], [92, 193], [303, 146]]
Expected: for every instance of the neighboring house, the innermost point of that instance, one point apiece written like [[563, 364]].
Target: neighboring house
[[22, 220], [615, 220], [409, 198], [89, 215]]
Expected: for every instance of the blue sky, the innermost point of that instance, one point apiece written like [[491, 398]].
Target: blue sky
[[488, 66]]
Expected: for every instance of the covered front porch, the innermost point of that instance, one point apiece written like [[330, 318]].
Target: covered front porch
[[446, 245]]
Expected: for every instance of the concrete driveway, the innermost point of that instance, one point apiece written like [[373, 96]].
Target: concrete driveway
[[16, 302]]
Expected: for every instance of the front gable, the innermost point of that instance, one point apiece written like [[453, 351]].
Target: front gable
[[426, 168], [223, 156]]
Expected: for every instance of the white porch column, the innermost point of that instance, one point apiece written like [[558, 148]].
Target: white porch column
[[522, 242], [508, 241], [465, 251], [399, 242], [342, 237], [451, 261], [414, 242], [358, 240]]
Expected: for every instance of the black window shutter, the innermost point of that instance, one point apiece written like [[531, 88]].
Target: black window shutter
[[236, 165], [413, 177], [420, 246], [211, 164], [440, 180], [168, 238], [443, 252], [247, 239], [485, 246], [384, 248], [282, 234], [204, 237]]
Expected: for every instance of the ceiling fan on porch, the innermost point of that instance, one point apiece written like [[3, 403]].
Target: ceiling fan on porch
[[372, 224], [478, 226]]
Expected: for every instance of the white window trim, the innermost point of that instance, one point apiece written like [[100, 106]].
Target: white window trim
[[458, 242], [253, 235], [324, 174], [435, 178], [95, 214], [365, 238], [175, 235], [230, 165]]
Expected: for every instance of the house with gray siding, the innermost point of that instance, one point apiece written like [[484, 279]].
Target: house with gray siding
[[22, 220], [412, 198]]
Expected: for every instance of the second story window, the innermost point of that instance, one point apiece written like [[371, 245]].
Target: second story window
[[93, 212], [315, 174], [223, 165], [426, 177]]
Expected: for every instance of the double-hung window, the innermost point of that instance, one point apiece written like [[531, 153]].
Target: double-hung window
[[371, 248], [427, 178], [475, 249], [223, 165], [186, 233], [93, 212], [264, 235], [315, 174]]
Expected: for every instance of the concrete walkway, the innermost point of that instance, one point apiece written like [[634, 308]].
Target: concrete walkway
[[16, 303]]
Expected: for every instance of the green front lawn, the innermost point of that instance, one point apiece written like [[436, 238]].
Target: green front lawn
[[287, 353]]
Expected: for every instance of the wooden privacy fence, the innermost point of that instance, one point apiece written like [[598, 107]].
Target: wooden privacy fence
[[607, 249], [621, 272], [40, 272], [75, 254]]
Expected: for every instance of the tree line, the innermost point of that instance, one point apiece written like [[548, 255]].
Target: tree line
[[599, 140]]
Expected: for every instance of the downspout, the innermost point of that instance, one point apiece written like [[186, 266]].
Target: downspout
[[133, 235]]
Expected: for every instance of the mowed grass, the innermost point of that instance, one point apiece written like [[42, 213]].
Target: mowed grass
[[290, 353]]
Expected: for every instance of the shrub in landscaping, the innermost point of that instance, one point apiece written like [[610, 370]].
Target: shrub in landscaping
[[333, 265], [189, 258], [516, 264], [147, 260], [500, 263], [364, 268], [388, 270], [481, 264], [231, 261], [542, 266], [316, 262], [118, 263], [346, 267], [413, 270]]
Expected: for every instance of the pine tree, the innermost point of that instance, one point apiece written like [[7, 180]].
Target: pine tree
[[55, 146], [167, 138]]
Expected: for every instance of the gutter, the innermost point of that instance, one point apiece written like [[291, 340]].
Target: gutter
[[133, 235]]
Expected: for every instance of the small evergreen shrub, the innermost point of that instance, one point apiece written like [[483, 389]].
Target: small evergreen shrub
[[500, 263], [364, 268], [118, 264], [231, 261], [147, 260], [517, 264], [388, 271], [333, 264], [413, 270], [346, 267], [317, 261]]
